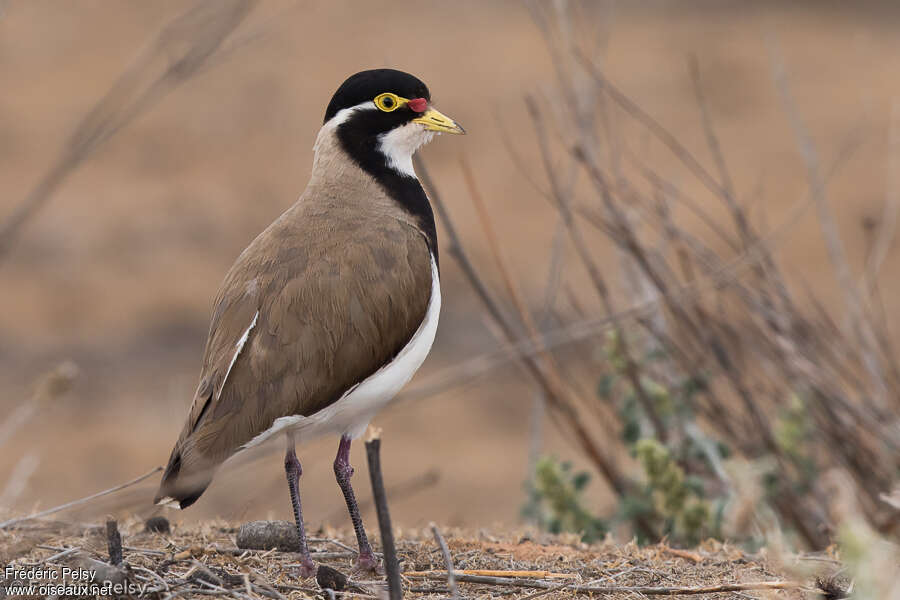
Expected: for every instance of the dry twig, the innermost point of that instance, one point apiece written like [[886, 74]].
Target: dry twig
[[113, 542], [448, 561], [81, 501], [635, 589], [181, 50], [391, 562]]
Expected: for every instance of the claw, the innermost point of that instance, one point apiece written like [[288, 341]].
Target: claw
[[307, 568], [367, 562]]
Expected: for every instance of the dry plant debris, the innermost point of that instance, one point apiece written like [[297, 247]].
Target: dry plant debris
[[205, 560]]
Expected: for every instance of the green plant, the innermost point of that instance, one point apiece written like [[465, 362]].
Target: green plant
[[556, 503]]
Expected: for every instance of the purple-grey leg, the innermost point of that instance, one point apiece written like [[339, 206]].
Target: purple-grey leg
[[343, 471], [293, 470]]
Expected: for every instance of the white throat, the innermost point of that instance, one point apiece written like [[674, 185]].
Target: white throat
[[398, 146]]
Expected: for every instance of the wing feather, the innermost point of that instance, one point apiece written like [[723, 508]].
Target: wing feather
[[298, 321]]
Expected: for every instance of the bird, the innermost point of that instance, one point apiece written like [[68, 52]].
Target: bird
[[329, 311]]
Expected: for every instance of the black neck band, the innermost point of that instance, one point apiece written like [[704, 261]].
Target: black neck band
[[361, 144]]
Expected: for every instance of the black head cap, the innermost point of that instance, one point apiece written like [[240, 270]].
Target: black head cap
[[365, 85]]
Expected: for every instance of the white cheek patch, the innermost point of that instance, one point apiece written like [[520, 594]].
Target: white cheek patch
[[399, 145]]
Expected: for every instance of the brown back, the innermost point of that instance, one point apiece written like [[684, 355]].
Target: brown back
[[341, 282]]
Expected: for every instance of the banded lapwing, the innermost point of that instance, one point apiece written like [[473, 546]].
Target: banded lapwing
[[330, 310]]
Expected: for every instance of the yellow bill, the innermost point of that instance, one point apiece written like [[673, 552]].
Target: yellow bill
[[435, 120]]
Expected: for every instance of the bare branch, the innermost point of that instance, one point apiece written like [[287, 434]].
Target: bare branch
[[181, 50], [79, 502]]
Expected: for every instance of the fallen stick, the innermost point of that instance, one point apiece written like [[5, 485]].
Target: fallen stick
[[493, 573], [319, 555], [189, 553], [58, 555], [692, 556], [549, 590], [618, 589]]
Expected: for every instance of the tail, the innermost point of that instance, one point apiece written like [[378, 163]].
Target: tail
[[185, 479]]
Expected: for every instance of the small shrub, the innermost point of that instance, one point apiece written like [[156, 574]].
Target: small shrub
[[555, 501]]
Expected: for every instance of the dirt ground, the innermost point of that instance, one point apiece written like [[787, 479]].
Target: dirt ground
[[194, 561], [118, 272]]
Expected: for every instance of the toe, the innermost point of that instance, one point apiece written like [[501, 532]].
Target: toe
[[307, 568], [368, 563]]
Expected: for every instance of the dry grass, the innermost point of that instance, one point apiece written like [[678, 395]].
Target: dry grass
[[716, 351], [197, 561]]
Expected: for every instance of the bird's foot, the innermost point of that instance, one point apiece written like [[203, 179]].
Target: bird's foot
[[307, 567], [367, 562]]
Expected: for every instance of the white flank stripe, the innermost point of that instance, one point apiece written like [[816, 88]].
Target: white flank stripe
[[238, 347], [351, 414]]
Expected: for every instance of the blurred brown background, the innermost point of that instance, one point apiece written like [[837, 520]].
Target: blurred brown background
[[118, 272]]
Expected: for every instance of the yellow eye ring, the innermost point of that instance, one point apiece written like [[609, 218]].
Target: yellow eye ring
[[388, 102]]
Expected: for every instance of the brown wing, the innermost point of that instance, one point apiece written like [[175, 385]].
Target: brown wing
[[333, 299]]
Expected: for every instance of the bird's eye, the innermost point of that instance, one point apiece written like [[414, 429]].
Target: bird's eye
[[387, 102]]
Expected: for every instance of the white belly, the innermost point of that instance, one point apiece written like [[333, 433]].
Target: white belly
[[351, 414]]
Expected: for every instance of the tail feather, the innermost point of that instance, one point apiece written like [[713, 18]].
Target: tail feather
[[184, 480]]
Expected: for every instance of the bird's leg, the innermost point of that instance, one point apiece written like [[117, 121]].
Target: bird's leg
[[293, 470], [343, 471]]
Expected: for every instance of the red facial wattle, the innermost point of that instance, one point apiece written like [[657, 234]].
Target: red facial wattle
[[418, 105]]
